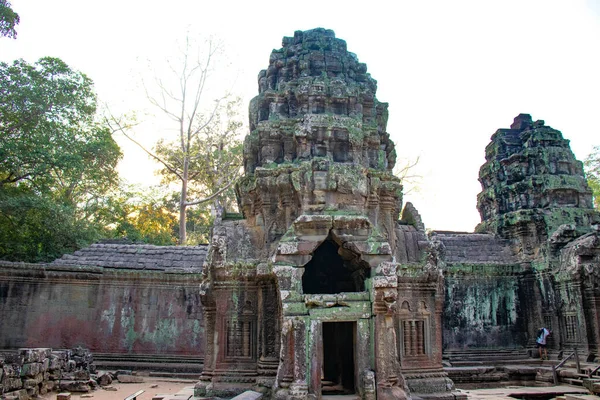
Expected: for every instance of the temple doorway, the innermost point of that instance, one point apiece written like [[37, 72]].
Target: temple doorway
[[338, 376]]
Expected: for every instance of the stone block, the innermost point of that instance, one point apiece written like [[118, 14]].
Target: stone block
[[71, 366], [63, 396], [93, 384], [313, 227], [31, 369], [14, 359], [55, 362], [74, 386], [295, 259], [35, 355], [290, 296], [55, 375], [354, 223], [351, 310], [374, 260], [20, 394], [385, 282], [12, 383], [130, 378], [290, 309], [104, 379], [81, 375], [32, 391], [50, 385], [33, 382], [248, 395], [386, 269]]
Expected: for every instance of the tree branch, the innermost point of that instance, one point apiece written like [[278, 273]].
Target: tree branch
[[157, 158], [212, 196]]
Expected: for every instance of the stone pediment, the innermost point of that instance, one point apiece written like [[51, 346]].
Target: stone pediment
[[356, 236]]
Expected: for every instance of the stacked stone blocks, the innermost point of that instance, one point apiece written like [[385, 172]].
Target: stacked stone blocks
[[28, 373]]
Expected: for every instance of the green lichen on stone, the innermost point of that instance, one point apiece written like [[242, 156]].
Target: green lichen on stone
[[165, 335], [247, 183], [128, 325], [291, 309], [333, 210]]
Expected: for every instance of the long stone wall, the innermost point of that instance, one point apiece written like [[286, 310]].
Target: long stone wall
[[107, 310]]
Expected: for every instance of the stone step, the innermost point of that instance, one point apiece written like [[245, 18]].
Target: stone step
[[149, 366], [591, 384], [148, 357], [572, 381], [483, 357], [192, 376], [484, 351], [467, 363]]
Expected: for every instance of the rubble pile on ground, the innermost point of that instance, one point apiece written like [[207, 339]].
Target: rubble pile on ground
[[27, 373]]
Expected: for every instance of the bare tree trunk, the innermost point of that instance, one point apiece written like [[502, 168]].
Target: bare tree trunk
[[183, 204]]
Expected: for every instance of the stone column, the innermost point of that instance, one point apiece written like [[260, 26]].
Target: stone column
[[315, 339], [591, 307], [390, 382], [299, 386], [389, 379], [268, 341], [204, 385], [285, 373], [364, 356]]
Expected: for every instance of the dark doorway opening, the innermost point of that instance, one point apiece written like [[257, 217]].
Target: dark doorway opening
[[333, 270], [338, 358]]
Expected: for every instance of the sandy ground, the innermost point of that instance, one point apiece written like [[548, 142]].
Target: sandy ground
[[507, 393], [125, 389]]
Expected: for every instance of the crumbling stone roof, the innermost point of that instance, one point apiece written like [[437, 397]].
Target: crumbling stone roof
[[475, 248], [135, 256]]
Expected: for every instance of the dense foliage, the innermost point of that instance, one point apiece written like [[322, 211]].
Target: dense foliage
[[8, 20], [57, 162], [592, 170], [143, 216], [59, 189]]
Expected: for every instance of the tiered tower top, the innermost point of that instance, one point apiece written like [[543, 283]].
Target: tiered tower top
[[316, 100]]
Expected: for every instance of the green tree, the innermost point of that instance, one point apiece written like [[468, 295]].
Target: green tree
[[8, 20], [37, 228], [592, 170], [57, 163], [147, 216]]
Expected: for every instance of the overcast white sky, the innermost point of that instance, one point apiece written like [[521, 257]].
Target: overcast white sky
[[452, 71]]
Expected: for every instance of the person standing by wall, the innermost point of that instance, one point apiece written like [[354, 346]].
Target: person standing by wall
[[542, 335]]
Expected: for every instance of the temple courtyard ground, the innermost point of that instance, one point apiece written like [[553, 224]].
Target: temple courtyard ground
[[565, 392], [151, 387], [182, 390]]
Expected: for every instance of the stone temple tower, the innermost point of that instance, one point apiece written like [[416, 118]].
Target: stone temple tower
[[318, 286], [535, 196]]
